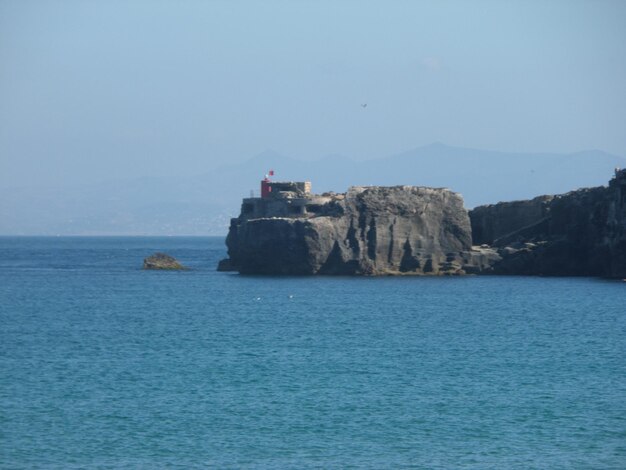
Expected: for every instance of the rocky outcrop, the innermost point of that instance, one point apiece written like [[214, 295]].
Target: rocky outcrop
[[581, 233], [497, 221], [368, 230], [425, 231], [161, 261]]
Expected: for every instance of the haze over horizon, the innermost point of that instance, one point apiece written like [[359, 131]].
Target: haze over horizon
[[92, 91], [203, 204]]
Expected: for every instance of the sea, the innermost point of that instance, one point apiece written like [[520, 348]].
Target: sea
[[105, 365]]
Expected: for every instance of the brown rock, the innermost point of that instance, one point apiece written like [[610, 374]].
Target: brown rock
[[162, 261]]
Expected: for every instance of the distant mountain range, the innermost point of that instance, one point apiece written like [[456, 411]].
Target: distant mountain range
[[203, 204]]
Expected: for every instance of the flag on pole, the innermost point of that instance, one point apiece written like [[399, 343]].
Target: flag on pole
[[271, 172]]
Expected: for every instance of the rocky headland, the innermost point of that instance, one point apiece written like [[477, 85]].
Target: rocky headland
[[405, 230], [580, 233]]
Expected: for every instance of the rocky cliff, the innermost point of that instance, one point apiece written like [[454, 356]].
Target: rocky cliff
[[371, 230], [581, 233], [426, 231]]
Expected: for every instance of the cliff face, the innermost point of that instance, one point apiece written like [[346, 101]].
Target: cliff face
[[579, 233], [493, 222], [377, 230], [415, 230]]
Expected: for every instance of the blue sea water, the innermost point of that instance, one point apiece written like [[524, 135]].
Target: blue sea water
[[104, 365]]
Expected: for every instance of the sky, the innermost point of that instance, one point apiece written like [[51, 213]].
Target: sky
[[97, 90]]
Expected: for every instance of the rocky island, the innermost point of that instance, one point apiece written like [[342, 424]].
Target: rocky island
[[406, 230]]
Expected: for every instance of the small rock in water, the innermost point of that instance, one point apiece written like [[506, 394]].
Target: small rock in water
[[161, 261]]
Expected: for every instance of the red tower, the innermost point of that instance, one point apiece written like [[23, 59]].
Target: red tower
[[266, 189]]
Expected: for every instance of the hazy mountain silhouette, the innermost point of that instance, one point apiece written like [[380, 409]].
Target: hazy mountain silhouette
[[203, 204]]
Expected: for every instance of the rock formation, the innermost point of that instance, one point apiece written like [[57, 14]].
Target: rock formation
[[416, 230], [581, 233], [368, 230], [161, 261]]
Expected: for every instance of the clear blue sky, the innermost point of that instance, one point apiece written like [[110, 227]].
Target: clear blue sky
[[91, 90]]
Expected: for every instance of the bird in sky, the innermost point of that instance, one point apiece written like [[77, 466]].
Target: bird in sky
[[364, 105]]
